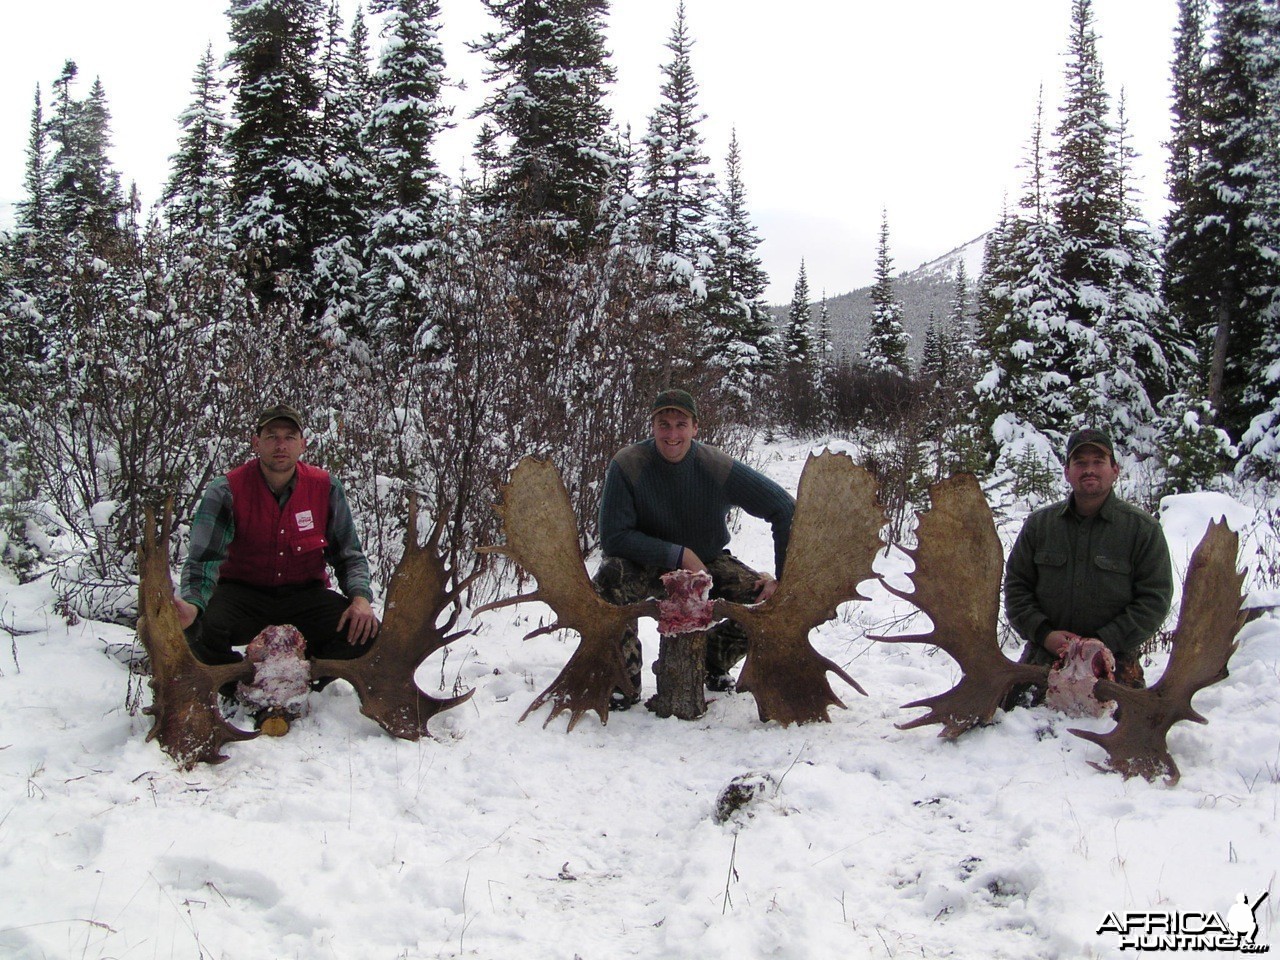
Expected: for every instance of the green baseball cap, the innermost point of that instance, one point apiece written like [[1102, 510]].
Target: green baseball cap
[[677, 399]]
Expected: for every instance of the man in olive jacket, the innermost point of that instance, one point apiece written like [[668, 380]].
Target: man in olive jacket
[[1088, 567]]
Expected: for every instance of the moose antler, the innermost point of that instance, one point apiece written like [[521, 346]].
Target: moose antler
[[541, 531], [834, 538], [957, 584], [1203, 643], [184, 691], [417, 595]]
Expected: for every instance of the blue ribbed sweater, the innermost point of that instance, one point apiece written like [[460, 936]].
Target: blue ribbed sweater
[[651, 509]]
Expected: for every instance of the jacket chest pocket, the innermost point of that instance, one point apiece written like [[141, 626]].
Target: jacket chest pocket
[[1113, 577], [1052, 580], [307, 543]]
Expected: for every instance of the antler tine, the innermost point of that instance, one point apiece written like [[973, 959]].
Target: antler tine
[[418, 594], [542, 537], [187, 723], [1202, 646], [835, 536], [958, 565]]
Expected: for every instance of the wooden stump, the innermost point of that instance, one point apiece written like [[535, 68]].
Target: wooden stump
[[681, 670]]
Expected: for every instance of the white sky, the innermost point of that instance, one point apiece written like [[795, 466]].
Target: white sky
[[842, 107]]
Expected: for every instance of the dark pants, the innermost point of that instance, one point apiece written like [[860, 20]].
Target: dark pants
[[622, 581], [1129, 673], [238, 612]]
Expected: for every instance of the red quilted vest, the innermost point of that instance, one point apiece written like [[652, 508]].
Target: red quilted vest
[[275, 547]]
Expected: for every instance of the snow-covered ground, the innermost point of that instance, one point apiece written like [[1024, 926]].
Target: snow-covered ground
[[501, 839]]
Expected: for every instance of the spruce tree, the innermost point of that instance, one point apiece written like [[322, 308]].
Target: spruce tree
[[1026, 337], [550, 69], [886, 346], [678, 182], [1223, 236], [797, 347], [194, 199], [275, 175], [407, 117], [736, 286], [84, 193], [1086, 203], [1186, 250], [32, 211], [1260, 396], [342, 205]]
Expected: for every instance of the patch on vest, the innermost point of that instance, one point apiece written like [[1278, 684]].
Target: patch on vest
[[305, 521]]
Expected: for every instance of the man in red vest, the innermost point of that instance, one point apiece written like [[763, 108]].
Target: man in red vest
[[261, 541]]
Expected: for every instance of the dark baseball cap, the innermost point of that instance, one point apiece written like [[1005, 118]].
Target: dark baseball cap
[[679, 399], [280, 411], [1089, 437]]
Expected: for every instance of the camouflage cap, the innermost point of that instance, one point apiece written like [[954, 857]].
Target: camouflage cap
[[280, 411]]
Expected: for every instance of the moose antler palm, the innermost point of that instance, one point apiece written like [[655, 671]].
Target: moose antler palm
[[184, 706], [541, 533], [1203, 643], [958, 564], [188, 724], [419, 592], [834, 539]]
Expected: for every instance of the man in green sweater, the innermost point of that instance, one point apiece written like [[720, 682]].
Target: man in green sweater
[[664, 507], [1088, 567]]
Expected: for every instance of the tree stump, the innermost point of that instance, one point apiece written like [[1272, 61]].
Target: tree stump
[[681, 670]]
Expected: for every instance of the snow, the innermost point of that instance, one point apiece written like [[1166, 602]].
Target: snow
[[505, 839]]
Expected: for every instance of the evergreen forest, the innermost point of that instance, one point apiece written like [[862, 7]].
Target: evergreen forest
[[435, 328]]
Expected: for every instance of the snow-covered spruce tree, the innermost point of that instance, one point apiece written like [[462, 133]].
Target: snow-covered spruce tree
[[1261, 441], [824, 353], [622, 213], [1193, 449], [407, 116], [1086, 202], [1125, 353], [796, 398], [678, 184], [676, 218], [84, 194], [550, 70], [797, 344], [1024, 333], [947, 372], [735, 290], [1105, 264], [1187, 250], [32, 211], [1235, 207], [194, 200], [886, 348], [275, 174], [342, 205]]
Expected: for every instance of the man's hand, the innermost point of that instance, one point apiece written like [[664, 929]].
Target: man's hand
[[361, 622], [765, 587], [689, 561], [1056, 641], [187, 612]]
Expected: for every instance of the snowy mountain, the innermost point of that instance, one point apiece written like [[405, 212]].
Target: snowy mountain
[[926, 291]]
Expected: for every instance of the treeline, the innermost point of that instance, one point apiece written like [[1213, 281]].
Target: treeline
[[309, 248], [1083, 313]]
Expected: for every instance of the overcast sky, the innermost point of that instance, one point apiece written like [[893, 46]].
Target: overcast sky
[[842, 107]]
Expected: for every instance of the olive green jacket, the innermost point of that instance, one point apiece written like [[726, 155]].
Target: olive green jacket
[[1106, 576]]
